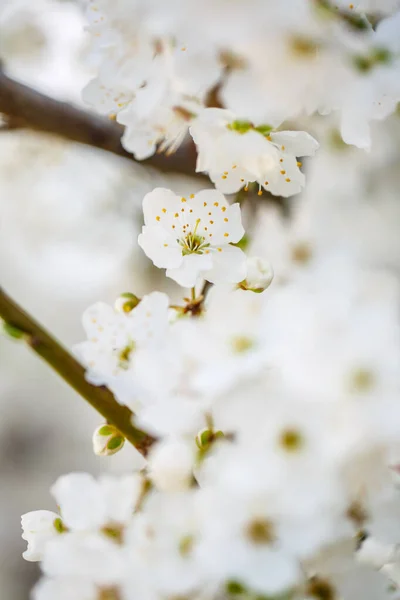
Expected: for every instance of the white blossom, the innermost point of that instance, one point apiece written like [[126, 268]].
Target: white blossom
[[236, 152], [193, 236]]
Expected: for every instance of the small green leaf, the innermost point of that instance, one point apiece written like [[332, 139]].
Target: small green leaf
[[13, 332], [115, 442], [106, 430], [264, 129], [243, 243]]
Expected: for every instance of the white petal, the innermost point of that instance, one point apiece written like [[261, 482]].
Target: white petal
[[298, 143], [193, 265], [230, 228], [229, 265], [65, 588], [158, 201], [161, 247], [80, 501]]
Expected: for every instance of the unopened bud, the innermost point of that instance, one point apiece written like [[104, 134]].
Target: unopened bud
[[107, 440], [13, 332], [259, 275], [126, 302], [206, 437]]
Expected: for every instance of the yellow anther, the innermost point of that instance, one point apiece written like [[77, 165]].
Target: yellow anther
[[158, 218]]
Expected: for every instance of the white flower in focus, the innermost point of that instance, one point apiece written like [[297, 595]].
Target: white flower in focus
[[193, 237], [236, 153], [259, 275], [39, 526], [114, 337]]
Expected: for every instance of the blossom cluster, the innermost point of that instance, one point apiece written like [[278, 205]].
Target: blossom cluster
[[237, 73], [269, 444], [272, 392]]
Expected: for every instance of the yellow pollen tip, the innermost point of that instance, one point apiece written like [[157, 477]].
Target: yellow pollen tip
[[225, 172], [219, 249], [223, 208], [269, 138], [165, 245], [183, 200], [299, 164], [234, 166], [205, 204], [282, 147], [224, 177], [283, 172], [211, 222], [226, 219], [191, 196], [164, 210], [158, 218], [182, 210], [242, 180], [288, 179], [259, 193], [215, 203], [246, 189], [226, 234], [266, 182], [176, 215]]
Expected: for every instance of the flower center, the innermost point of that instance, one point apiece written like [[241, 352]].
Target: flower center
[[193, 243]]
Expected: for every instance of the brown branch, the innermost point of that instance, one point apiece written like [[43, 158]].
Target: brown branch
[[27, 108], [100, 397]]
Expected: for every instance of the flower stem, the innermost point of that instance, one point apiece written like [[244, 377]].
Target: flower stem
[[50, 350]]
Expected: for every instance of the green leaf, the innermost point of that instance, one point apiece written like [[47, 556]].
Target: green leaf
[[115, 442], [106, 430], [14, 332]]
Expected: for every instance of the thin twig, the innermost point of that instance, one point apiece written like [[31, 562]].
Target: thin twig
[[26, 108], [100, 397]]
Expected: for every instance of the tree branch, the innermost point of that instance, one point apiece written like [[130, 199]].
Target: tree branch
[[100, 397], [24, 107]]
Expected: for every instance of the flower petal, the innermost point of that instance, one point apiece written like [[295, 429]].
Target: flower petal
[[229, 265], [298, 143], [193, 264]]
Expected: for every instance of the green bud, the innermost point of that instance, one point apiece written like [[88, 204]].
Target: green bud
[[107, 440], [13, 332], [126, 302]]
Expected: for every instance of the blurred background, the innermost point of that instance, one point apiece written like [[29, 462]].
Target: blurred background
[[69, 219]]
